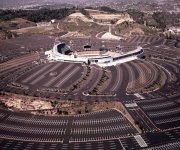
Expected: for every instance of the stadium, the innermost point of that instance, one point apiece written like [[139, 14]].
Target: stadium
[[89, 54], [67, 98], [89, 75]]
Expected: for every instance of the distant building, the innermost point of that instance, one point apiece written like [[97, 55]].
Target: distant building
[[53, 21]]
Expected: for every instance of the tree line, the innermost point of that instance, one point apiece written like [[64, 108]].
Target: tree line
[[161, 20], [36, 15], [166, 19]]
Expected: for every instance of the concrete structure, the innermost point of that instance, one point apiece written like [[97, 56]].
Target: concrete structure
[[102, 57]]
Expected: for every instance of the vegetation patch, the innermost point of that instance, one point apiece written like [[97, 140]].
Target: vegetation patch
[[36, 15]]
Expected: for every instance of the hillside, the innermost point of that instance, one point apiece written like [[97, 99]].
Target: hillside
[[5, 34], [16, 23], [83, 22], [127, 29]]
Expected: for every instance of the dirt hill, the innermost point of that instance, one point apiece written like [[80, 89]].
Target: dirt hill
[[16, 23]]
